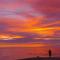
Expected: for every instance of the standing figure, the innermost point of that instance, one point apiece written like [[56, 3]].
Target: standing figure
[[50, 54]]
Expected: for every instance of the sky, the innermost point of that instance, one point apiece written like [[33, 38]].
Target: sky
[[30, 21]]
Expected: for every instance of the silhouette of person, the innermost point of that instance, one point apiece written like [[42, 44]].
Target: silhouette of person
[[50, 53]]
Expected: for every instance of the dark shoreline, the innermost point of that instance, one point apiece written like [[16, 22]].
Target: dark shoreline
[[41, 58]]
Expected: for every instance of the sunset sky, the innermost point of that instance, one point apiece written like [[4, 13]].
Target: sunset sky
[[30, 23]]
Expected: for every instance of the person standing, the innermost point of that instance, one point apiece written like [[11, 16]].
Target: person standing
[[50, 53]]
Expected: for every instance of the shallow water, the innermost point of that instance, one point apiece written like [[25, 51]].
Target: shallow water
[[13, 53]]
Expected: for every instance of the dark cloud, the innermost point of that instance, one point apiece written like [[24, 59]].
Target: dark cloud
[[50, 8]]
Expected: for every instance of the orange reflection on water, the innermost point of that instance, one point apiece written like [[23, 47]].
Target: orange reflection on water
[[22, 45]]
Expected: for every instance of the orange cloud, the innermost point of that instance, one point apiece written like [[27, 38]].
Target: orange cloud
[[9, 37], [33, 25]]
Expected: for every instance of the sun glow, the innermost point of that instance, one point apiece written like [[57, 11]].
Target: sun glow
[[43, 29], [8, 37]]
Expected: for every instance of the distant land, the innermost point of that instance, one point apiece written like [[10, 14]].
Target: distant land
[[41, 58]]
